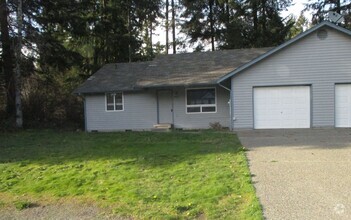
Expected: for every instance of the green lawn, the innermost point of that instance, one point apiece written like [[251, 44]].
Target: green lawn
[[143, 175]]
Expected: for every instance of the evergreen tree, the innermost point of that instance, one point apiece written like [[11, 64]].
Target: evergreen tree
[[266, 27], [69, 40], [201, 23], [235, 24], [299, 25], [7, 59]]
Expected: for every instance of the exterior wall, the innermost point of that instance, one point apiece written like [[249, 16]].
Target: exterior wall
[[309, 61], [200, 120], [140, 112]]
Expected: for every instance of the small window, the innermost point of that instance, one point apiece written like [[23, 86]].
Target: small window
[[114, 101], [201, 100]]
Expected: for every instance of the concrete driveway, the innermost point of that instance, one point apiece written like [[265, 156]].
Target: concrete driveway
[[301, 173]]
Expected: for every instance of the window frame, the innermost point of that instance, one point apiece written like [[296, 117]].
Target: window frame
[[114, 102], [200, 105]]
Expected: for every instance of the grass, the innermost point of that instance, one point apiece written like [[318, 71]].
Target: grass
[[143, 175]]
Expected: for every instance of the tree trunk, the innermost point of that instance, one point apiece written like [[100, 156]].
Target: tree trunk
[[129, 35], [19, 116], [151, 33], [227, 12], [264, 16], [7, 57], [212, 24], [167, 20], [254, 15], [338, 6], [173, 28]]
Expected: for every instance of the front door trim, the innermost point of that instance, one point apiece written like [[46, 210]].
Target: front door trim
[[158, 105]]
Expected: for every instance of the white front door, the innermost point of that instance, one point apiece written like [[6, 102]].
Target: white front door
[[343, 105], [165, 104], [282, 107]]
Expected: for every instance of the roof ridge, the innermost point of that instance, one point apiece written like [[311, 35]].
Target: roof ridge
[[208, 52]]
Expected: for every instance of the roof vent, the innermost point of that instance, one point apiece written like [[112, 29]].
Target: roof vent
[[322, 34]]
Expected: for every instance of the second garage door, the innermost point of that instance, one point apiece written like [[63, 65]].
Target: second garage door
[[282, 107], [343, 105]]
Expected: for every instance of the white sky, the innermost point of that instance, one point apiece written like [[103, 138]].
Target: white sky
[[295, 9]]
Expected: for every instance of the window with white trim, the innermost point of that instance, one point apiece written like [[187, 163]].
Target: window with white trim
[[114, 101], [201, 100]]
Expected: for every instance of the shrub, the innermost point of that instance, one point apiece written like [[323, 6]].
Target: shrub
[[216, 126]]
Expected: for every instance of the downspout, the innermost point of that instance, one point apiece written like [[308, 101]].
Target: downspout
[[173, 123], [85, 114], [230, 105], [157, 108]]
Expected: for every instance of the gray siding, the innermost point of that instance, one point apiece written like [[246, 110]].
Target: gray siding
[[140, 112], [200, 120], [309, 61]]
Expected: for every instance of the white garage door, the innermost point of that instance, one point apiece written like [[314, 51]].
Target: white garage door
[[343, 105], [282, 107]]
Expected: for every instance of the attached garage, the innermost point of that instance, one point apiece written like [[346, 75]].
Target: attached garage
[[282, 107], [343, 105], [303, 83]]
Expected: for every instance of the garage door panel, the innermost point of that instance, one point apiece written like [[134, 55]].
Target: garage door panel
[[343, 105], [282, 107]]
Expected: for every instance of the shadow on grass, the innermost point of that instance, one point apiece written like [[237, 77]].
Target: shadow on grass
[[146, 148]]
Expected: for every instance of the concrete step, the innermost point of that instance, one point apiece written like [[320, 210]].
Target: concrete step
[[163, 126]]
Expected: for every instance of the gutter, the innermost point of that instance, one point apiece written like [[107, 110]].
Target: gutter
[[230, 105]]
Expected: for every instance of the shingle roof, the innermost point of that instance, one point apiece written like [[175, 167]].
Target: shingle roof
[[189, 69]]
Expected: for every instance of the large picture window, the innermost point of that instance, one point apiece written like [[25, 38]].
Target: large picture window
[[114, 101], [201, 100]]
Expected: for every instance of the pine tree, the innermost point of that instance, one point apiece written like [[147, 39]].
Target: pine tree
[[7, 57], [18, 76], [174, 43], [167, 26], [235, 24]]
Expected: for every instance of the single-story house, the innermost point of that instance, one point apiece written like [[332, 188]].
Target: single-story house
[[303, 83]]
